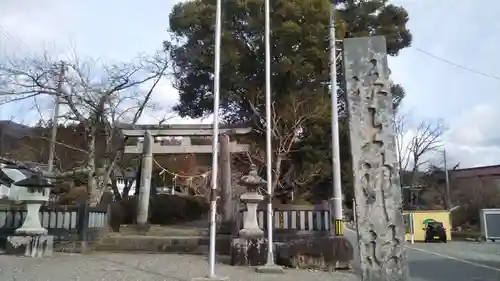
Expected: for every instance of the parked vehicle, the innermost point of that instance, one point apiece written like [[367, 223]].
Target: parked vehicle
[[435, 232]]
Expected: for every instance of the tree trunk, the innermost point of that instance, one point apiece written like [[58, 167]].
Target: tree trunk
[[277, 172], [92, 187], [126, 189], [114, 187]]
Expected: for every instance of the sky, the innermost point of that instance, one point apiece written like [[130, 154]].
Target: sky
[[449, 74]]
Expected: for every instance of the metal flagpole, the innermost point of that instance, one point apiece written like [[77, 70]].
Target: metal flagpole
[[215, 139], [336, 200], [269, 149], [270, 267]]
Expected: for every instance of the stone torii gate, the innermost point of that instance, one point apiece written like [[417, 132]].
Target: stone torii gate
[[149, 147]]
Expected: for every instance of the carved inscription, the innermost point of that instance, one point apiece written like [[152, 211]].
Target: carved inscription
[[376, 182]]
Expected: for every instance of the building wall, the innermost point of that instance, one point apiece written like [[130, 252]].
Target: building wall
[[419, 218]]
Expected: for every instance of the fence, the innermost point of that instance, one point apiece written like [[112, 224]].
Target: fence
[[65, 223], [291, 221]]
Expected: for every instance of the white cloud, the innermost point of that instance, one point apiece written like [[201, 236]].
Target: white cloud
[[97, 29], [31, 27], [474, 136], [110, 30]]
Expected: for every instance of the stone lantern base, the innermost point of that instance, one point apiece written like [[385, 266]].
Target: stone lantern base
[[249, 251], [36, 246]]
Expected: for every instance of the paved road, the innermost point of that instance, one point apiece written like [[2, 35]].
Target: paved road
[[453, 261]]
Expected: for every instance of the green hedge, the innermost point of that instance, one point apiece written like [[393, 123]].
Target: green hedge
[[301, 201], [164, 209]]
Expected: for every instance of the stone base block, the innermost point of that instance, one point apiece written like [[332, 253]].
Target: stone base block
[[142, 229], [328, 253], [270, 268], [35, 246], [215, 278], [249, 251]]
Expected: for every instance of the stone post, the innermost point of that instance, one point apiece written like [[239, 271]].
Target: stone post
[[225, 159], [144, 191], [376, 183]]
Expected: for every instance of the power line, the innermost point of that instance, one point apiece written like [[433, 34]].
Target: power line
[[478, 72], [16, 41]]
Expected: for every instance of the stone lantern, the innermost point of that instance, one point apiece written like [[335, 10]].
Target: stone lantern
[[250, 247], [251, 198], [36, 191], [26, 186]]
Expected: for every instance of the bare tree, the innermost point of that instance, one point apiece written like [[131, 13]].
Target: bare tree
[[95, 96], [288, 118], [414, 146], [472, 195]]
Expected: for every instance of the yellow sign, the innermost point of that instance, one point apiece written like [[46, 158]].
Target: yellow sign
[[281, 220], [339, 227]]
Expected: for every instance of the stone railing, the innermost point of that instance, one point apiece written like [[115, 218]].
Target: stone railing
[[294, 221]]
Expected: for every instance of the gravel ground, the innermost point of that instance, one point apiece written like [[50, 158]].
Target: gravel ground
[[131, 267]]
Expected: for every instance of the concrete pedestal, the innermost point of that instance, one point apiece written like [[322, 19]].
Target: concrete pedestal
[[142, 229], [215, 278], [270, 268], [251, 251], [36, 246]]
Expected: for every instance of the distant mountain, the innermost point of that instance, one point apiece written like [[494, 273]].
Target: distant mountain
[[11, 133], [13, 129]]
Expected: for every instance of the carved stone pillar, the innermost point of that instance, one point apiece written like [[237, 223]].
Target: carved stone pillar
[[376, 181]]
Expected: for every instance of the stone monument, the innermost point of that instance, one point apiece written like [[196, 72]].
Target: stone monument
[[250, 248], [377, 189], [31, 239]]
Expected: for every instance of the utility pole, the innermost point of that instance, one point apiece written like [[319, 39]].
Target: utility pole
[[447, 178], [55, 116], [336, 200]]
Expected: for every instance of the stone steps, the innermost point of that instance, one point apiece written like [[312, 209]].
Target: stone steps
[[162, 244], [156, 230], [188, 238]]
